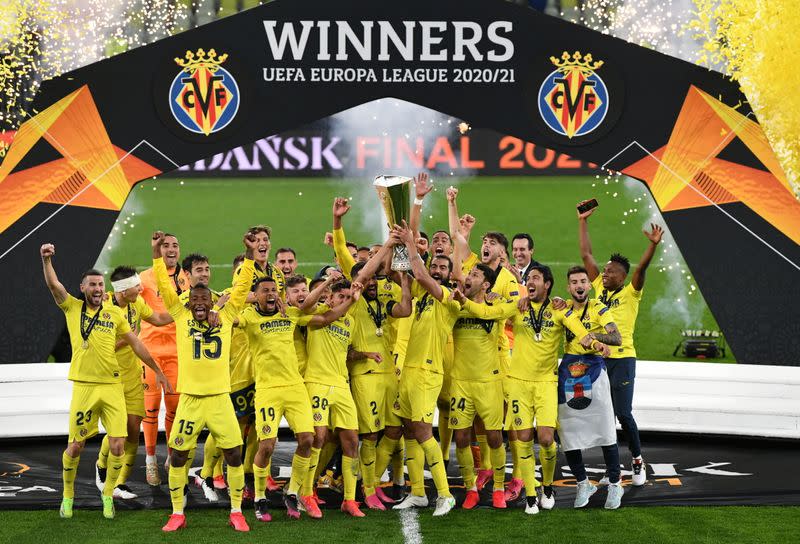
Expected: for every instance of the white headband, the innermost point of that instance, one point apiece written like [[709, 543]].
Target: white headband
[[126, 283]]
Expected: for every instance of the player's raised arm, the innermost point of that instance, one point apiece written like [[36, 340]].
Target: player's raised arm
[[460, 244], [343, 256], [654, 236], [141, 352], [422, 186], [313, 297], [159, 319], [56, 288], [372, 265], [320, 320], [421, 274], [589, 263], [403, 308], [165, 287], [499, 310], [243, 282]]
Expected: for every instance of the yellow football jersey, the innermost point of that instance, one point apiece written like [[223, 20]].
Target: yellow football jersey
[[343, 256], [258, 273], [271, 339], [97, 363], [595, 316], [624, 306], [505, 285], [300, 348], [536, 360], [203, 351], [366, 314], [129, 364], [327, 351], [241, 365], [475, 335], [431, 326]]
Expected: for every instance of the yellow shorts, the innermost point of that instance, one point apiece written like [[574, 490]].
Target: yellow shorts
[[374, 397], [484, 399], [417, 395], [213, 411], [332, 406], [527, 401], [92, 402], [134, 396], [291, 402]]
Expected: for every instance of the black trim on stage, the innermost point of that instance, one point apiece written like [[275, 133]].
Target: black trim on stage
[[682, 470]]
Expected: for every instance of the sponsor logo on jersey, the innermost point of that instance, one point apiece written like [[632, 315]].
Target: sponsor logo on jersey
[[573, 99], [204, 96]]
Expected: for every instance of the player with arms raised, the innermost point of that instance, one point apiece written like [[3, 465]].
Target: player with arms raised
[[94, 327], [623, 300], [204, 343]]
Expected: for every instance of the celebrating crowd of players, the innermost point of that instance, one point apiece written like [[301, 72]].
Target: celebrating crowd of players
[[357, 361]]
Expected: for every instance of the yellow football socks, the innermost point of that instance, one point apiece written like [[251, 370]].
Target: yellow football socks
[[433, 455], [102, 457], [465, 465], [70, 467], [350, 476], [260, 481], [113, 469], [300, 466], [415, 461], [308, 483], [547, 457], [129, 459], [177, 481], [236, 486], [498, 456], [367, 457], [527, 466], [486, 461]]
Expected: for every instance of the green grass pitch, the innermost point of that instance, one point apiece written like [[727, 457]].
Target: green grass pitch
[[680, 525], [210, 216]]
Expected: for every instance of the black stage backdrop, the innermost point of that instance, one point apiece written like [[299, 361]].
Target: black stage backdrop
[[497, 65]]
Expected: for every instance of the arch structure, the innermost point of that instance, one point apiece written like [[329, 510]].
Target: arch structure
[[684, 131]]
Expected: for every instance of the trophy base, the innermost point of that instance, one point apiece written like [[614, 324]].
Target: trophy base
[[400, 260]]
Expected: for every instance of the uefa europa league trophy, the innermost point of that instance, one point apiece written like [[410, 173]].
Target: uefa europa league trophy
[[395, 195]]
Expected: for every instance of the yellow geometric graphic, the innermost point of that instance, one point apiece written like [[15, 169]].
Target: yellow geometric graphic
[[687, 172], [90, 163]]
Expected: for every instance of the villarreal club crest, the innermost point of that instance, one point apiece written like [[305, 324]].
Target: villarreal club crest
[[203, 97], [573, 99]]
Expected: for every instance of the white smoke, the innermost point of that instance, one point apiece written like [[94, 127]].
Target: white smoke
[[392, 118], [683, 303]]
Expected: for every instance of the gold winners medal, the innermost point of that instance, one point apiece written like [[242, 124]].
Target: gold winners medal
[[85, 344], [538, 337], [198, 336], [379, 331]]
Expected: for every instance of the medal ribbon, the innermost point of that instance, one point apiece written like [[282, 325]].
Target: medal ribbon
[[606, 299], [92, 322], [538, 321], [377, 318]]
